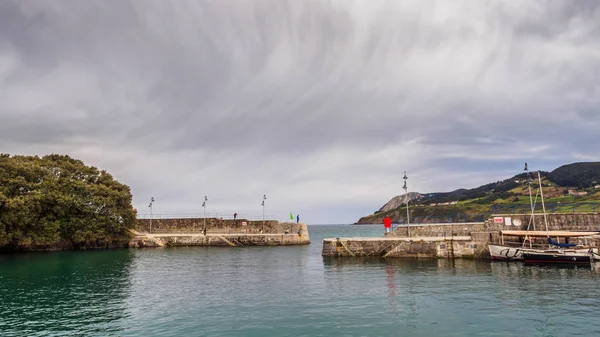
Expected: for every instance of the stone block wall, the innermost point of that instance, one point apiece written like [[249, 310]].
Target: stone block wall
[[403, 249], [439, 230], [588, 221], [227, 240], [498, 222], [216, 226]]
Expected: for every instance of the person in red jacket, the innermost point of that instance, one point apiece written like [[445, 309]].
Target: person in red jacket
[[387, 223]]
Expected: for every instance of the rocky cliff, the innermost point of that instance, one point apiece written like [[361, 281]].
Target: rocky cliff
[[399, 200]]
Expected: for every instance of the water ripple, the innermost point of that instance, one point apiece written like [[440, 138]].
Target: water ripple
[[288, 291]]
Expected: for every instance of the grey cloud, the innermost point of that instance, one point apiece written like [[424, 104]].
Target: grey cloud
[[340, 96]]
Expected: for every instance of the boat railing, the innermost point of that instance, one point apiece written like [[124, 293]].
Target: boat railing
[[535, 245]]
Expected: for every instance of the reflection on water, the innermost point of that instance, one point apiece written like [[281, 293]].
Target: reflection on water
[[476, 295], [392, 286], [289, 291], [445, 266], [79, 293]]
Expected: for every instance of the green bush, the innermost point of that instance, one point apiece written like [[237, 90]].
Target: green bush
[[53, 199]]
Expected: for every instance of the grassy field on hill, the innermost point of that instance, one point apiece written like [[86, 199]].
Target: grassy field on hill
[[514, 200]]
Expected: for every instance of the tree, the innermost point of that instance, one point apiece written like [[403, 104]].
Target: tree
[[56, 199]]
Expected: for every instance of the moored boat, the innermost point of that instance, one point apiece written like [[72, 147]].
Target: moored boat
[[554, 250], [504, 252]]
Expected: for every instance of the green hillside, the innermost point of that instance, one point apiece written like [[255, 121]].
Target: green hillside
[[572, 187], [582, 175]]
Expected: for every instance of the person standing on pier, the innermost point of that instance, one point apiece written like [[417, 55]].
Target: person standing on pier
[[387, 224], [298, 218], [234, 216]]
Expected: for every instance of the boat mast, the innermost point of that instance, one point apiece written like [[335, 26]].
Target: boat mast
[[543, 206], [530, 197]]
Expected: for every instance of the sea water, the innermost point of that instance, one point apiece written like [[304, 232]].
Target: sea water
[[289, 291]]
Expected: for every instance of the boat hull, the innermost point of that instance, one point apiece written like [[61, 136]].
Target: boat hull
[[503, 253], [575, 258], [506, 253]]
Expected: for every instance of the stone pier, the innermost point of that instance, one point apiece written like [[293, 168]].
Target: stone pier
[[457, 240], [232, 233], [417, 247]]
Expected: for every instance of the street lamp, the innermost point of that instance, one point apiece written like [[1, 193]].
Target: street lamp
[[406, 193], [151, 203], [204, 206], [263, 206]]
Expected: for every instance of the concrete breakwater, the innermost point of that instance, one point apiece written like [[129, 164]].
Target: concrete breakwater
[[460, 246], [219, 232], [458, 240]]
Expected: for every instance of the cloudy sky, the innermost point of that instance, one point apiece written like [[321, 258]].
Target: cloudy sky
[[320, 105]]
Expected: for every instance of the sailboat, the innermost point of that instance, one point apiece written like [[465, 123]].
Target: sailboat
[[506, 252], [529, 251]]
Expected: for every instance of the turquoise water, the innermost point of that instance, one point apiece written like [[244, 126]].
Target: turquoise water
[[288, 291]]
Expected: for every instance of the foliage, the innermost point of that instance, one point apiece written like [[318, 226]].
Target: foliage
[[582, 175], [55, 199], [490, 192]]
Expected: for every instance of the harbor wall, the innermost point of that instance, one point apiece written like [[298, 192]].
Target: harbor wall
[[438, 230], [498, 222], [458, 240], [224, 240], [458, 247], [215, 226], [583, 221], [188, 232]]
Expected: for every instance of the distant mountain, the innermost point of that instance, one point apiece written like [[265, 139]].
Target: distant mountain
[[579, 176], [582, 175], [495, 188]]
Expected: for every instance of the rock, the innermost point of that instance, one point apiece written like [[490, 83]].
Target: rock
[[399, 200]]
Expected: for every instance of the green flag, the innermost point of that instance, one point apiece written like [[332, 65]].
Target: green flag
[[291, 216]]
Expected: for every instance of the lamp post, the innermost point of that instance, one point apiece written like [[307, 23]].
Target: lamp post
[[406, 193], [204, 206], [150, 206], [263, 206]]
